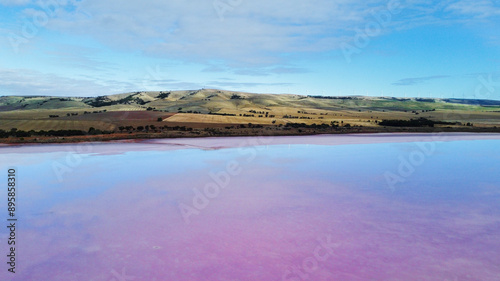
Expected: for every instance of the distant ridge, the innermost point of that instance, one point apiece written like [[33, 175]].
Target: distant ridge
[[213, 100]]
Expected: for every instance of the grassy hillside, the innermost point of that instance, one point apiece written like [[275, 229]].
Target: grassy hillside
[[208, 100], [210, 108]]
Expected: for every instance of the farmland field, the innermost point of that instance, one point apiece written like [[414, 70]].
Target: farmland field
[[206, 108]]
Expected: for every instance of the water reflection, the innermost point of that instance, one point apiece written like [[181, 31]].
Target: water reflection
[[118, 215]]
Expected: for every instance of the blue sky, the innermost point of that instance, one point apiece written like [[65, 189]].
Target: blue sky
[[397, 48]]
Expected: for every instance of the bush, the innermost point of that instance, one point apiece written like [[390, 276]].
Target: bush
[[22, 134], [421, 122]]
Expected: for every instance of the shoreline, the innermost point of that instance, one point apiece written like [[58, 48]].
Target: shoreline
[[215, 143], [139, 137]]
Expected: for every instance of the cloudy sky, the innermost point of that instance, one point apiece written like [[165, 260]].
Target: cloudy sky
[[448, 48]]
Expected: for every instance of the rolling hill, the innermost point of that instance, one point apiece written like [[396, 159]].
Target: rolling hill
[[227, 110]]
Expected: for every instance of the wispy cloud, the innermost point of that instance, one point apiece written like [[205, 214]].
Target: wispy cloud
[[30, 82], [245, 85], [255, 39], [14, 2], [173, 85], [288, 70], [257, 71], [479, 8], [251, 34], [79, 57], [418, 80], [214, 68]]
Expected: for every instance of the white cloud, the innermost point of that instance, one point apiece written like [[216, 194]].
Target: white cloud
[[244, 85], [30, 82], [252, 38], [34, 83], [250, 33], [14, 2], [478, 8], [418, 80]]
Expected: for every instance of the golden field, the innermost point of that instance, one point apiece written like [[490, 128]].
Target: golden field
[[209, 108]]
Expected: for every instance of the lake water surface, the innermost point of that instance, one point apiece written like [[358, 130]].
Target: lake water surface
[[377, 207]]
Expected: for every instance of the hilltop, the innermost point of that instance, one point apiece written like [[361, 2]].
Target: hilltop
[[212, 100], [219, 112]]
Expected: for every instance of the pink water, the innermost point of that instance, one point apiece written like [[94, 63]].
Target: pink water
[[299, 212]]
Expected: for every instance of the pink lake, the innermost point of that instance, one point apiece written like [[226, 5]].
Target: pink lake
[[350, 207]]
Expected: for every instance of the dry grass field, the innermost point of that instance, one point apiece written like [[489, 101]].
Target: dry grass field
[[209, 108]]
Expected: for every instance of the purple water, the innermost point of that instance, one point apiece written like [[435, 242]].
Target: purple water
[[390, 207]]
